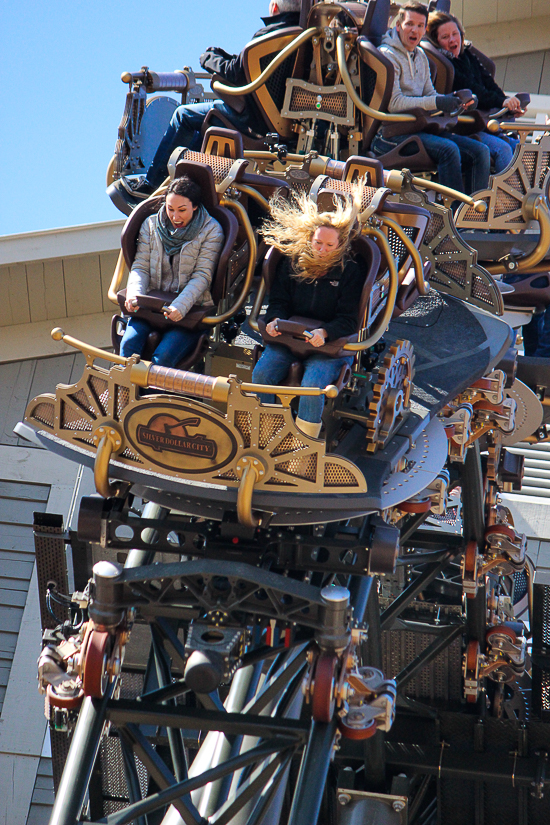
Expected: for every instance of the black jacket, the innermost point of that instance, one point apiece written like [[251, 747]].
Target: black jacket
[[332, 299], [470, 74], [230, 66]]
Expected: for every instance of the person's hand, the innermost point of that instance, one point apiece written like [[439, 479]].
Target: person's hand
[[513, 105], [173, 314], [130, 304], [271, 328], [318, 337]]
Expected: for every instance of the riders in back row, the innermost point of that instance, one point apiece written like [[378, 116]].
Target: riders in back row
[[463, 163], [187, 120]]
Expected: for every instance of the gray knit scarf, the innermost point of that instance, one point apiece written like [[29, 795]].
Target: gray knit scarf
[[173, 238]]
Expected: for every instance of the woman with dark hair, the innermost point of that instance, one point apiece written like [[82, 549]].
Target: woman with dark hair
[[177, 252], [447, 33]]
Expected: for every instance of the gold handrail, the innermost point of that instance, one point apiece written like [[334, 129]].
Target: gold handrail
[[289, 49], [184, 382], [413, 252], [534, 208], [120, 268], [392, 294], [350, 88], [120, 271], [252, 193], [212, 320], [395, 180]]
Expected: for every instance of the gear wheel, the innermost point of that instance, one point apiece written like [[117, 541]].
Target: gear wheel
[[391, 394]]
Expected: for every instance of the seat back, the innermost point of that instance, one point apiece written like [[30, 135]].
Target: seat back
[[377, 75], [376, 20], [365, 251], [444, 71], [269, 98], [485, 61], [203, 176], [225, 143]]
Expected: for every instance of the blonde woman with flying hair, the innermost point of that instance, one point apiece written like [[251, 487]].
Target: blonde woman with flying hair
[[317, 278]]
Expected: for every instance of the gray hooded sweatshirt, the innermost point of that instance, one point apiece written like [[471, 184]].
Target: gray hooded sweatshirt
[[412, 85]]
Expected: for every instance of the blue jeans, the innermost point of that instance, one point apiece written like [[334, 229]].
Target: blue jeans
[[319, 371], [453, 154], [184, 130], [501, 150], [174, 344]]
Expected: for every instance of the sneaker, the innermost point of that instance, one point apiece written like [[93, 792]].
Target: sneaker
[[139, 186], [127, 193]]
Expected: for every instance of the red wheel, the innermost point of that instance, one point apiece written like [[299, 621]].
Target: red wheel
[[323, 688], [95, 676], [450, 430], [501, 628], [470, 556], [501, 528], [358, 733], [59, 700], [419, 505]]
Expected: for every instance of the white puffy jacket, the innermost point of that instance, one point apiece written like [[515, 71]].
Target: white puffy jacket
[[197, 262]]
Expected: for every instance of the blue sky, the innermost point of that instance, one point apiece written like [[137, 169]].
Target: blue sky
[[62, 97]]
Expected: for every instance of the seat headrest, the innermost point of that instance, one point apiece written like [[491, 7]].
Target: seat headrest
[[376, 24], [203, 176]]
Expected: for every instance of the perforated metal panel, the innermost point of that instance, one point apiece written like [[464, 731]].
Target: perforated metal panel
[[434, 227], [289, 444], [244, 426], [220, 165], [270, 426], [305, 100], [336, 476], [440, 679], [481, 291], [305, 467], [45, 413], [456, 271]]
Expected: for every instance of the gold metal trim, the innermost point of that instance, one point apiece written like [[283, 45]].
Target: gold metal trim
[[118, 276], [212, 320], [86, 414], [295, 44], [250, 470], [413, 252], [396, 179], [534, 208], [358, 103]]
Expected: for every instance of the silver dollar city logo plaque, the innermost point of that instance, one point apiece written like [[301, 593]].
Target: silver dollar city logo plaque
[[180, 437]]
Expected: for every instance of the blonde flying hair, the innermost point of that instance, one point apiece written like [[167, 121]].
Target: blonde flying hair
[[293, 223]]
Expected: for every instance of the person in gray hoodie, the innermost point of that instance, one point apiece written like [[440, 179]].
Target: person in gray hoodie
[[177, 252], [454, 155]]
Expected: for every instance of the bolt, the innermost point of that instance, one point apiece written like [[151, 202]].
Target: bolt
[[344, 798], [398, 805]]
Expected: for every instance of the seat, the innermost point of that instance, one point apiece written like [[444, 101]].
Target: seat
[[225, 270], [292, 330], [412, 220], [268, 99]]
